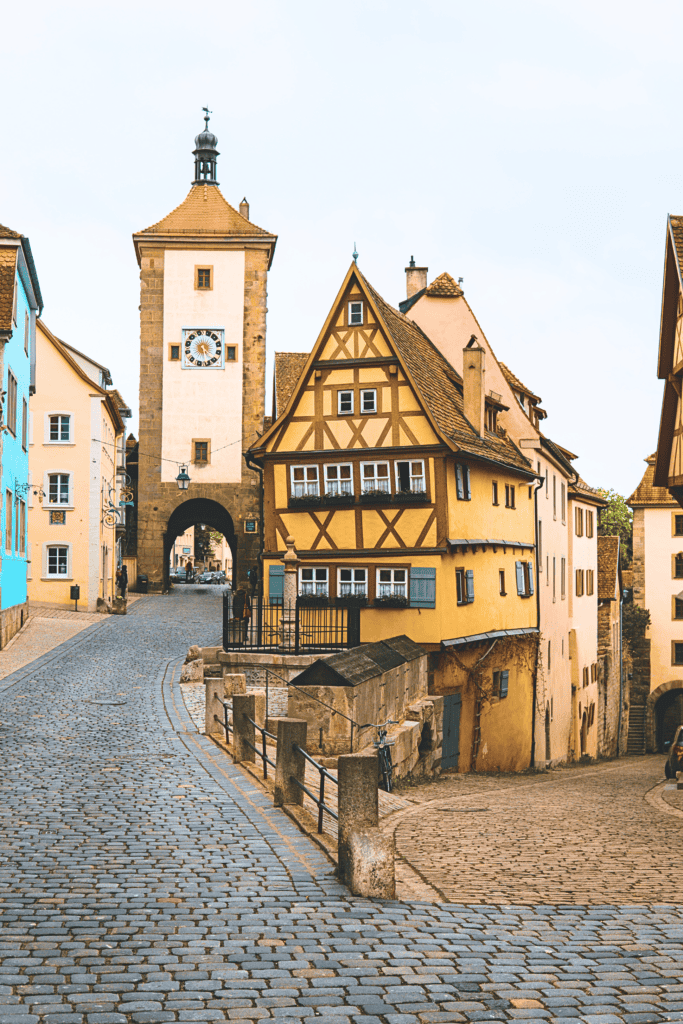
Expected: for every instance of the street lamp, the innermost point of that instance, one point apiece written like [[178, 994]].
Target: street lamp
[[183, 479]]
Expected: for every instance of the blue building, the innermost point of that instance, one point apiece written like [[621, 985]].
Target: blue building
[[20, 305]]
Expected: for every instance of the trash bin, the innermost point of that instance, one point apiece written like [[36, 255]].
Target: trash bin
[[143, 583]]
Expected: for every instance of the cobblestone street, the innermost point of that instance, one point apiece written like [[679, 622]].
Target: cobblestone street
[[145, 878]]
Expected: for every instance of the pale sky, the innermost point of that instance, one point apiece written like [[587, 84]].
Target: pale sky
[[531, 148]]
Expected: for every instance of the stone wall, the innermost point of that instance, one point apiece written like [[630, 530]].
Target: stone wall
[[11, 621], [609, 683]]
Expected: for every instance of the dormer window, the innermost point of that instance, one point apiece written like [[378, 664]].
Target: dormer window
[[520, 399], [355, 313], [491, 418]]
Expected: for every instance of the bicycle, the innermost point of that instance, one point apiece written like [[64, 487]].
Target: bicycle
[[383, 747]]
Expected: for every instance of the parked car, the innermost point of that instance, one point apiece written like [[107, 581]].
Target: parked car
[[204, 577], [177, 576], [674, 762]]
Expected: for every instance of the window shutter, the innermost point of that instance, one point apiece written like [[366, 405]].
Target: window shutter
[[466, 474], [469, 585], [519, 571], [422, 588], [504, 676], [276, 584], [530, 573], [458, 482]]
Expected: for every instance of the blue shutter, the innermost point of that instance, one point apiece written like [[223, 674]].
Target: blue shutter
[[503, 692], [466, 474], [422, 588], [276, 584], [530, 572], [519, 570], [469, 584], [460, 490]]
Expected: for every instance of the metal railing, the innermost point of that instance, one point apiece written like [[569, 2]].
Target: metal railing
[[224, 722], [307, 626], [320, 799], [262, 753]]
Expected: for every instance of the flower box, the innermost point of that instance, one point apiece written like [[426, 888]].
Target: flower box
[[350, 599], [391, 601], [305, 501], [313, 599], [375, 497], [407, 496], [338, 499]]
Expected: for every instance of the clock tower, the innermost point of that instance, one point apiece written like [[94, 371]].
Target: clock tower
[[203, 286]]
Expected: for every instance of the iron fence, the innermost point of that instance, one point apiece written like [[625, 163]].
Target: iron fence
[[305, 627], [261, 753], [320, 799]]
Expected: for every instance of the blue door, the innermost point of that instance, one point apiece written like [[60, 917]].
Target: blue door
[[451, 730]]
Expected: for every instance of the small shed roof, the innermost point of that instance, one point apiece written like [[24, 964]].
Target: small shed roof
[[358, 665]]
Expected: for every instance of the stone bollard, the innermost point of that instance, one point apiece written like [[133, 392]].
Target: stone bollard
[[679, 780], [366, 856], [234, 683], [289, 762], [214, 706], [243, 732]]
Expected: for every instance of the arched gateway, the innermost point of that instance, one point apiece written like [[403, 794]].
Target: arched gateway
[[203, 280], [663, 713]]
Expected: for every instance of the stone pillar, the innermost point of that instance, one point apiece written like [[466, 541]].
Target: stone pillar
[[289, 762], [366, 856], [214, 706], [288, 624], [234, 683], [243, 708]]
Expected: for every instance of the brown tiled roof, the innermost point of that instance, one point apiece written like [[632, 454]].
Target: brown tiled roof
[[677, 233], [608, 567], [444, 287], [118, 399], [204, 211], [8, 268], [584, 492], [515, 382], [8, 233], [647, 494], [288, 367], [440, 388]]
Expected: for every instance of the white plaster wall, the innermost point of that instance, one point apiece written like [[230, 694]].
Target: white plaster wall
[[660, 588], [584, 619], [206, 402]]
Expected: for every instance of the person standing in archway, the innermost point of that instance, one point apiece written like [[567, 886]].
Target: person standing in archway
[[241, 609], [188, 571]]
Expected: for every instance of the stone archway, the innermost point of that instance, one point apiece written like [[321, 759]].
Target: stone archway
[[199, 510], [651, 744]]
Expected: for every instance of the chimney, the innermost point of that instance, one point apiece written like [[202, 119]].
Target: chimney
[[244, 209], [416, 278], [473, 386]]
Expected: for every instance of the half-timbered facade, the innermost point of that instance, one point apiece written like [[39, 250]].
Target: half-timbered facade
[[669, 456]]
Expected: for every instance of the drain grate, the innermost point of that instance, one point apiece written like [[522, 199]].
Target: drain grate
[[109, 703]]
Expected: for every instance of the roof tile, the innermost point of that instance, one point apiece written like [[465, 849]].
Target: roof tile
[[288, 369], [647, 494], [8, 266], [204, 211], [608, 567], [444, 287]]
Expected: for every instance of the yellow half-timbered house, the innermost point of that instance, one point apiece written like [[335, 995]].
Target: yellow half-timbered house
[[389, 471]]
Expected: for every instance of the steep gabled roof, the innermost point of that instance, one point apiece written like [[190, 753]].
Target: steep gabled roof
[[584, 492], [206, 211], [288, 368], [647, 494], [8, 233], [608, 568], [8, 271], [436, 382], [444, 287], [516, 383]]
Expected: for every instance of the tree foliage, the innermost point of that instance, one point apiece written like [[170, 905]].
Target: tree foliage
[[617, 518]]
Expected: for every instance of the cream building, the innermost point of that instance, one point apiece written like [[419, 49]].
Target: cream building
[[565, 709], [76, 476]]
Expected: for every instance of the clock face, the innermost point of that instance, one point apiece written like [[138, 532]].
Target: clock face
[[203, 348]]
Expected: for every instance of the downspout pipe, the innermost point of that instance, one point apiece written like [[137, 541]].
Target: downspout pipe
[[541, 481], [258, 469]]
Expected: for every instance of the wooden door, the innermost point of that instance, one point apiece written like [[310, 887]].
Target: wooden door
[[452, 703]]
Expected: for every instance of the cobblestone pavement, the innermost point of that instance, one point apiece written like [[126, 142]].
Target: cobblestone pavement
[[144, 879]]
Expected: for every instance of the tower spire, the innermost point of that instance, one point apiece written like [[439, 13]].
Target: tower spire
[[205, 154]]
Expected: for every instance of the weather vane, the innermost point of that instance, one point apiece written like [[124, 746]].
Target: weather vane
[[206, 115], [355, 253]]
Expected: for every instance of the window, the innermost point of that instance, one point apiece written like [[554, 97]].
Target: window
[[579, 522], [676, 653], [579, 582], [375, 477], [201, 451], [563, 578], [304, 481], [678, 608], [9, 522], [368, 401], [58, 489], [231, 353], [24, 424], [410, 476], [509, 496], [491, 418], [345, 403], [540, 545], [339, 479], [548, 655], [174, 353], [546, 482], [589, 523], [494, 492], [313, 582], [57, 561], [12, 402], [21, 527], [392, 583], [554, 496], [59, 428], [524, 572], [678, 526], [589, 581], [554, 577], [563, 502], [501, 582], [27, 328], [678, 566], [352, 582], [464, 585], [500, 683], [203, 276], [462, 482], [355, 313], [586, 678]]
